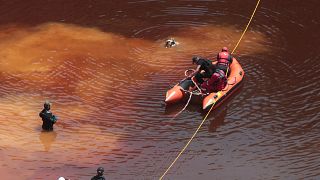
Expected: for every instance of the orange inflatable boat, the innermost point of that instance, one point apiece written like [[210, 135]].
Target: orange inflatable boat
[[180, 92]]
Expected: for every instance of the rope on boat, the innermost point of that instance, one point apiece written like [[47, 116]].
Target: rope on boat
[[195, 83], [204, 119], [185, 73], [183, 107]]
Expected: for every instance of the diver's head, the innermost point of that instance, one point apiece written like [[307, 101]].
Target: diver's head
[[100, 171], [170, 42], [47, 105]]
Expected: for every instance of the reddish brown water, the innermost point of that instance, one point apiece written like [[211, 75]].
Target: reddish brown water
[[104, 67]]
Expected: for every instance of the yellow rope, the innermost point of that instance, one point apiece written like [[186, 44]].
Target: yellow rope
[[184, 148], [204, 119], [254, 11]]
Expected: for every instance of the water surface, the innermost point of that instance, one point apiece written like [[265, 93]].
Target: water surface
[[104, 67]]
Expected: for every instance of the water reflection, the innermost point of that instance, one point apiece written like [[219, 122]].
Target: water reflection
[[217, 116], [218, 119], [47, 138]]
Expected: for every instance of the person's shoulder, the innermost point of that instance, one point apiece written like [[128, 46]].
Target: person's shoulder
[[42, 112], [97, 177], [200, 61], [209, 60]]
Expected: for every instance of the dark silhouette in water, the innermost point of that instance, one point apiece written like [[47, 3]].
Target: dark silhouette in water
[[218, 119], [99, 175], [48, 118]]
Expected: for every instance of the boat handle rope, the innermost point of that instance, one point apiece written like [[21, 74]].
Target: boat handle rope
[[183, 107], [196, 85], [204, 119]]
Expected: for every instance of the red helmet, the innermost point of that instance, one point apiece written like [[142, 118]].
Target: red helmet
[[224, 49]]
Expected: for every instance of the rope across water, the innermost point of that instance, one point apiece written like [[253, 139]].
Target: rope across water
[[204, 119]]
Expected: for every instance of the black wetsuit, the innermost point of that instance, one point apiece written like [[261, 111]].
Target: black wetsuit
[[207, 66], [48, 120], [98, 177]]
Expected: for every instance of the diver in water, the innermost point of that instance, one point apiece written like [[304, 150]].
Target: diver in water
[[171, 43], [48, 119], [99, 175]]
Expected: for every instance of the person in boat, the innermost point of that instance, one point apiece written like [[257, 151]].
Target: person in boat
[[224, 59], [99, 175], [217, 82], [48, 119], [204, 69]]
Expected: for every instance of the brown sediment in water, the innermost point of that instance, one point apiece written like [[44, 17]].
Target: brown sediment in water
[[82, 69], [81, 60], [106, 71], [41, 48], [59, 54]]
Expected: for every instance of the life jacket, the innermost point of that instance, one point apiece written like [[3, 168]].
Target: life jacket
[[223, 58], [217, 82], [222, 80]]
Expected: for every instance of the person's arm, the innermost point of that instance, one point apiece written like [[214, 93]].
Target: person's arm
[[192, 74], [195, 72], [53, 119], [41, 114]]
